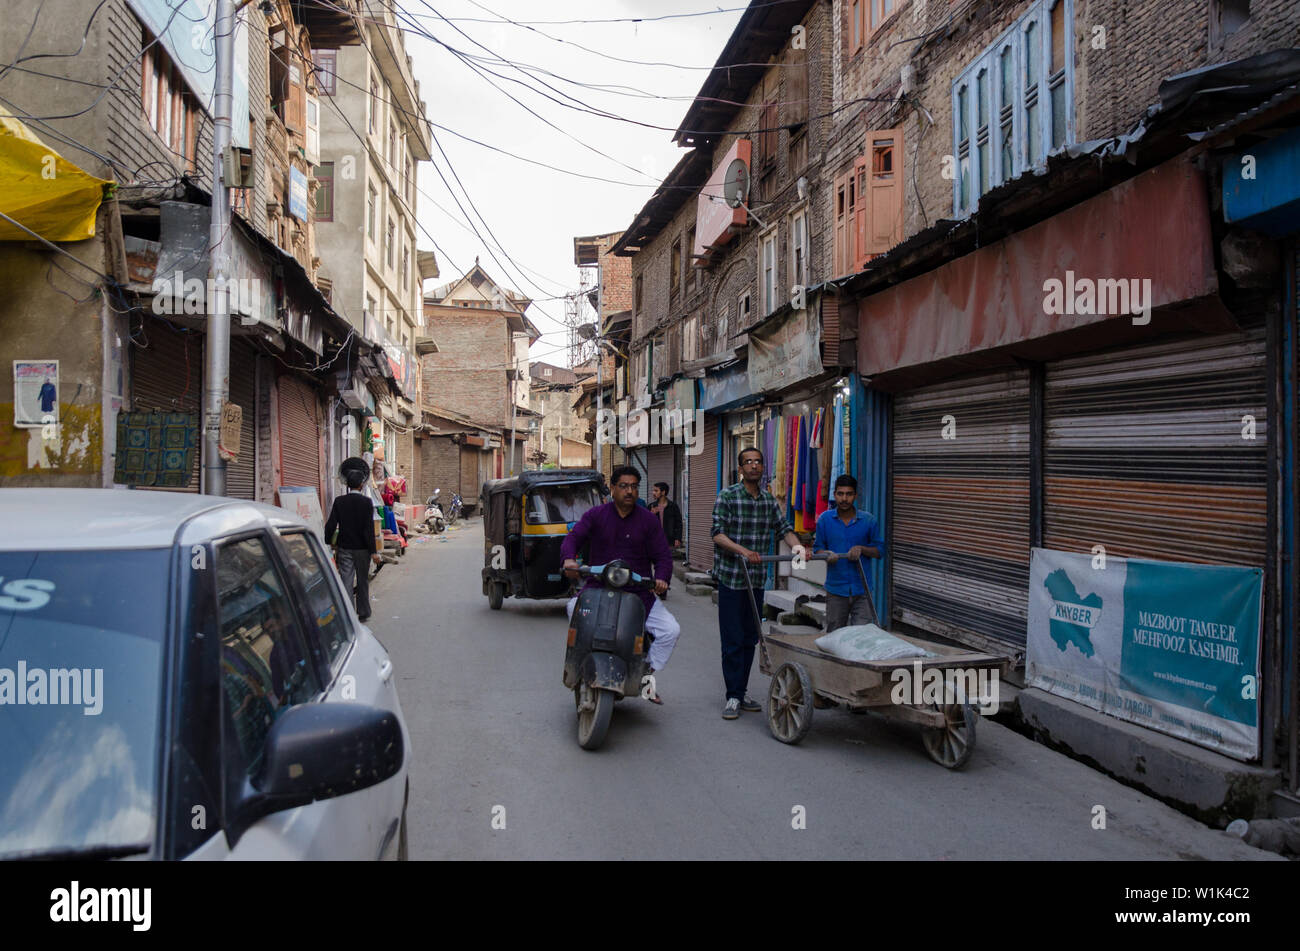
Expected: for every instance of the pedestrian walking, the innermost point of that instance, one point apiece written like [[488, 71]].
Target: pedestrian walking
[[745, 517], [350, 528]]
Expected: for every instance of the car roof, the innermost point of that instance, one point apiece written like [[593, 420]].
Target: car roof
[[88, 519]]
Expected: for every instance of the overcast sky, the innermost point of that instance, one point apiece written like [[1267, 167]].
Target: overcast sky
[[536, 212]]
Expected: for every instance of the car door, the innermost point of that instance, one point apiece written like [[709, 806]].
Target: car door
[[355, 668], [266, 668]]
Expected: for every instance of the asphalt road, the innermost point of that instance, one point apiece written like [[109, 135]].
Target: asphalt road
[[498, 773]]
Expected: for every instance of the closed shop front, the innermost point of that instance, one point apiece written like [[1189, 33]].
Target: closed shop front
[[300, 430], [241, 472], [1149, 452], [476, 467], [662, 467], [167, 376], [959, 532], [703, 478]]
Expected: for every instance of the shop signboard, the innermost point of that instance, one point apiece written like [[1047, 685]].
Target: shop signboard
[[785, 350], [722, 389], [1169, 646]]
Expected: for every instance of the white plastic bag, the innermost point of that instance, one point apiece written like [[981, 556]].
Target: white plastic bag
[[868, 642]]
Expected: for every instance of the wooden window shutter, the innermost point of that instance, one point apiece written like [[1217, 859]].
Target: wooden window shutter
[[859, 209], [279, 77], [884, 199], [796, 87], [295, 106], [841, 198]]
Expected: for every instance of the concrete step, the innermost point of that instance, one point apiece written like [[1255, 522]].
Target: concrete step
[[814, 611], [799, 585], [699, 589], [781, 600], [698, 577]]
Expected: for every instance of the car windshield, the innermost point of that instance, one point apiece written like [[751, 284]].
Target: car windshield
[[81, 643], [560, 503]]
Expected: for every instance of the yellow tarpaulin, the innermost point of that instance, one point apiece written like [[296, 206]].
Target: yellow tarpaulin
[[42, 190]]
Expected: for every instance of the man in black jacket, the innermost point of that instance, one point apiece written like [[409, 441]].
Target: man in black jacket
[[670, 516], [353, 516]]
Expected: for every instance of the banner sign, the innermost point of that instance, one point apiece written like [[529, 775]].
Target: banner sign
[[297, 193], [1169, 646], [722, 389], [785, 351]]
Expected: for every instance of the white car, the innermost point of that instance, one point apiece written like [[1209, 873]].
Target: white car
[[183, 676]]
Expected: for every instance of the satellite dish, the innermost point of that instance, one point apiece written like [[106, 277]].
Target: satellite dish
[[735, 187]]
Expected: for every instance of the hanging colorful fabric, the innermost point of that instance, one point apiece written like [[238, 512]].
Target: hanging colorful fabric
[[811, 482], [822, 504], [837, 452]]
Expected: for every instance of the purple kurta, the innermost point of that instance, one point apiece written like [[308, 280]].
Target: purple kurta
[[638, 540]]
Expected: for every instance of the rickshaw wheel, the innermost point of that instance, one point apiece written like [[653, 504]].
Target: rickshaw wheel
[[496, 595], [790, 703], [595, 708], [951, 746]]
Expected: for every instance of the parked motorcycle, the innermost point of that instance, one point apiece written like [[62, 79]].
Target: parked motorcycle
[[434, 520], [607, 657], [454, 512]]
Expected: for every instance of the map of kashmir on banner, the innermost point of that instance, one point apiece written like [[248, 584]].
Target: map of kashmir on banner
[[1169, 646]]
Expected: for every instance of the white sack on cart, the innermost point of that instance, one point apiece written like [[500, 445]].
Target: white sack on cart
[[868, 642]]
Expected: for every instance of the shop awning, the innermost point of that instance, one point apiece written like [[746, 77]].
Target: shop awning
[[42, 190], [1144, 244]]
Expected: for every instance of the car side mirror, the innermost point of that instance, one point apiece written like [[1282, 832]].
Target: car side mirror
[[322, 750]]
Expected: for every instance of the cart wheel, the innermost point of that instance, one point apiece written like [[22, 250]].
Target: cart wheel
[[790, 703], [952, 745], [496, 595], [595, 708]]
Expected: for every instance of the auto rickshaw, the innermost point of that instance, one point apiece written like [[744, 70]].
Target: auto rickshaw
[[525, 520]]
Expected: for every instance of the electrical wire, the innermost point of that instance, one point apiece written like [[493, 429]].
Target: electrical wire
[[393, 53], [651, 19], [618, 59]]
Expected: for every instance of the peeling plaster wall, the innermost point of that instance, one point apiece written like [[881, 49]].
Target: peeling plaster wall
[[48, 314]]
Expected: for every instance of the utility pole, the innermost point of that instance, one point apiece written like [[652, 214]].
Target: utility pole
[[600, 358], [512, 408], [216, 389]]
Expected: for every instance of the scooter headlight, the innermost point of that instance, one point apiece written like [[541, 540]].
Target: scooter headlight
[[616, 576]]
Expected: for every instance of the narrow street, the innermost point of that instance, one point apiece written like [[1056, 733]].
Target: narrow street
[[492, 726]]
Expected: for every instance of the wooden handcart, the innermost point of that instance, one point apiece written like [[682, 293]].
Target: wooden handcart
[[801, 672]]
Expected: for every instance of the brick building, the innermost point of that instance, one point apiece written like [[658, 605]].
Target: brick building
[[552, 393], [474, 388], [985, 155], [705, 274]]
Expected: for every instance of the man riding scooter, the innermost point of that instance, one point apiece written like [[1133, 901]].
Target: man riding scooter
[[621, 530]]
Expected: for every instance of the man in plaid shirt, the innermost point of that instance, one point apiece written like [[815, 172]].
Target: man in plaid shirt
[[745, 517]]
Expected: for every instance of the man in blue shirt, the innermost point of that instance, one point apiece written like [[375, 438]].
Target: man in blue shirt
[[844, 531]]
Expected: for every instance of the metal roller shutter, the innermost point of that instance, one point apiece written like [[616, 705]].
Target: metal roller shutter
[[960, 518], [167, 375], [1145, 452], [703, 480], [662, 467], [241, 473], [299, 434]]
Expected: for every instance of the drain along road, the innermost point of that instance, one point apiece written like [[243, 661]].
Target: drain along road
[[497, 772]]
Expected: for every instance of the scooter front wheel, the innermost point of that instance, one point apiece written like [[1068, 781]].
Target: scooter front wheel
[[595, 708]]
